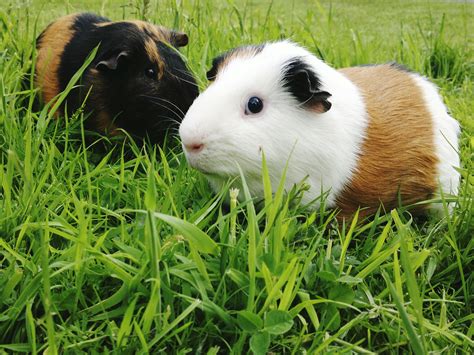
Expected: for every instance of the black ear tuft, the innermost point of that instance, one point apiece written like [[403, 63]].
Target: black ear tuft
[[300, 80], [113, 62], [216, 62]]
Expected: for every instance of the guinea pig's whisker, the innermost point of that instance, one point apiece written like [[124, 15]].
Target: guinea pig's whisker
[[167, 119], [171, 103], [176, 115], [174, 131], [180, 78], [179, 114], [172, 121], [186, 81]]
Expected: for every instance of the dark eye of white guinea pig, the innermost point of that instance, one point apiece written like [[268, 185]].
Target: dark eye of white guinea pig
[[254, 105], [150, 73]]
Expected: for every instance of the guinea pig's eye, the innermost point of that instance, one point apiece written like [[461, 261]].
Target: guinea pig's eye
[[254, 105], [150, 73]]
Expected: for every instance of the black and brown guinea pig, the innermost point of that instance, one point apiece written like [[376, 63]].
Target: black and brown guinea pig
[[138, 81]]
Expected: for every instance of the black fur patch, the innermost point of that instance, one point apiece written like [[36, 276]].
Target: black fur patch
[[141, 105], [217, 62], [303, 84], [400, 67], [165, 102]]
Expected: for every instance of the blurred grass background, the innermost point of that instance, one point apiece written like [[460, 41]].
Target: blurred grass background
[[93, 260]]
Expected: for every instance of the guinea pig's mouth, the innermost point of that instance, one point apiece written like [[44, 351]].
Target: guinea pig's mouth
[[210, 175], [204, 168], [196, 163], [206, 171]]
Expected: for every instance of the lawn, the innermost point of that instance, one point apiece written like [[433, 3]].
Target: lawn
[[129, 250]]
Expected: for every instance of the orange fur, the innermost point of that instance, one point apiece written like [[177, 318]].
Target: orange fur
[[152, 52], [398, 154], [53, 41]]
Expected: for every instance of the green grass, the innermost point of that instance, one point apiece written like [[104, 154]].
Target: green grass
[[131, 251]]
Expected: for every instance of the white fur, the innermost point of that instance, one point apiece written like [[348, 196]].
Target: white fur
[[446, 132], [323, 148]]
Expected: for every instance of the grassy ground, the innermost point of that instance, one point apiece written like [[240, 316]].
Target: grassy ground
[[106, 253]]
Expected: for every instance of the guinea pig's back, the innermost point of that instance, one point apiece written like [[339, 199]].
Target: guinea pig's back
[[51, 45], [400, 157]]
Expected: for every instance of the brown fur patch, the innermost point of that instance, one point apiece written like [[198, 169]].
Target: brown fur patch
[[53, 41], [398, 154], [154, 55]]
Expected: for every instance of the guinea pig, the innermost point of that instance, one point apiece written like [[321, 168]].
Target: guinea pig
[[367, 135], [138, 80]]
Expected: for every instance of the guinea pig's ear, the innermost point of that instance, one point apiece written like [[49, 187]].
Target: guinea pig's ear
[[113, 62], [303, 84], [178, 39], [319, 101]]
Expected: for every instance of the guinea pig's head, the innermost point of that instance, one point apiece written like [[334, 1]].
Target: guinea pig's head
[[140, 81], [261, 98]]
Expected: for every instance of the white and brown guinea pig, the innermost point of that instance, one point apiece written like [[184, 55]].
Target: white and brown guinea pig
[[368, 135], [138, 80]]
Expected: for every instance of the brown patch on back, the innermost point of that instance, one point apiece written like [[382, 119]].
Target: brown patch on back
[[52, 43], [398, 154]]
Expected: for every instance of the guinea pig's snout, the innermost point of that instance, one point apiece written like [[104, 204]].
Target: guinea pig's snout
[[192, 142], [193, 147], [192, 137]]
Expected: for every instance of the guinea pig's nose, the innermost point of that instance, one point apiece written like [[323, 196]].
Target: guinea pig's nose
[[194, 147]]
